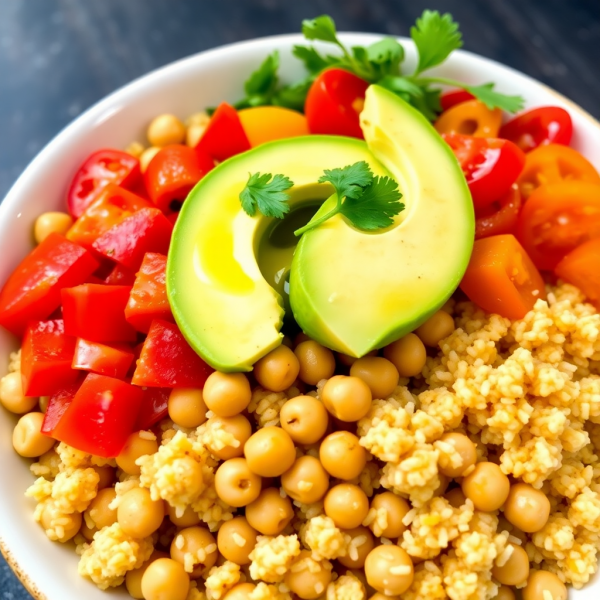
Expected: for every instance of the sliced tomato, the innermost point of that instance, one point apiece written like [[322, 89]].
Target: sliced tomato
[[581, 267], [154, 407], [58, 404], [112, 360], [470, 118], [120, 275], [453, 97], [264, 124], [499, 217]]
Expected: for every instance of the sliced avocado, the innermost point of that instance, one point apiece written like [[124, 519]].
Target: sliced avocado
[[355, 291], [218, 259]]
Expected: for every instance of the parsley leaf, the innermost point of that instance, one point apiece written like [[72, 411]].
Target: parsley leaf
[[349, 181], [266, 193], [485, 93], [321, 28]]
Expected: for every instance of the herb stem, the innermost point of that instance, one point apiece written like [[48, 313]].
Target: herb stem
[[443, 81], [317, 222]]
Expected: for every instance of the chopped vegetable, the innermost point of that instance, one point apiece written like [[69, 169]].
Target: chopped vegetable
[[267, 193], [120, 275], [154, 407], [581, 268], [58, 404], [268, 123], [112, 360], [471, 118], [499, 217], [454, 97]]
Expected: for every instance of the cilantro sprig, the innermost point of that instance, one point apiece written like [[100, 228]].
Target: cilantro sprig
[[267, 193]]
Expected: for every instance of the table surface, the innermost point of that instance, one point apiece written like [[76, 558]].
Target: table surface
[[58, 57]]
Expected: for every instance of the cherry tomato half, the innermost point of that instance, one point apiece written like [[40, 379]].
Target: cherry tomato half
[[454, 97], [334, 102], [470, 118], [581, 267], [499, 217], [490, 165], [538, 127]]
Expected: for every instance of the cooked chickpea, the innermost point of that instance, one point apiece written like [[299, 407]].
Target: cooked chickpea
[[165, 579], [278, 370], [70, 524], [133, 578], [389, 569], [487, 487], [436, 328], [342, 456], [305, 419], [139, 515], [505, 593], [456, 497], [239, 427], [378, 373], [189, 518], [138, 444], [106, 476], [43, 403], [527, 508], [146, 157], [408, 355], [241, 591], [516, 569], [543, 585], [270, 452], [316, 362], [186, 407], [164, 130], [307, 481], [396, 509], [308, 578], [11, 395], [28, 439], [198, 541], [51, 222], [98, 513], [348, 361], [361, 543], [135, 148], [236, 484], [300, 337], [467, 450], [236, 539], [378, 596], [194, 132], [347, 505], [270, 512], [227, 394], [347, 398]]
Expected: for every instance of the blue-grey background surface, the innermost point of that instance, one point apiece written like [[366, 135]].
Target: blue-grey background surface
[[57, 57]]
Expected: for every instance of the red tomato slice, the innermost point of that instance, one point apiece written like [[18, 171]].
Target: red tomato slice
[[120, 275], [490, 165], [454, 97], [581, 267], [154, 407], [100, 169], [538, 127], [112, 360], [334, 103], [499, 217]]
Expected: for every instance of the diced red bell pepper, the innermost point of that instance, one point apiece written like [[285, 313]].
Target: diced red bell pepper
[[32, 292], [167, 360], [120, 275], [58, 404], [113, 205], [224, 135], [147, 230], [154, 407], [148, 299], [97, 313], [112, 360], [46, 357], [101, 416]]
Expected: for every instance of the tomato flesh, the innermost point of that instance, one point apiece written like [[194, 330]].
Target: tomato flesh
[[58, 404], [581, 268], [499, 217], [112, 360], [453, 97], [154, 407]]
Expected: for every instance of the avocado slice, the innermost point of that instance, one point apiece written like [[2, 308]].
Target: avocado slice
[[219, 256], [355, 291]]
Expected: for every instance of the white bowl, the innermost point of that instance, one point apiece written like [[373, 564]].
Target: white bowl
[[47, 569]]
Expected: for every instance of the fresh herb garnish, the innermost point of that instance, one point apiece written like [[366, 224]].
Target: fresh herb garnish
[[266, 193]]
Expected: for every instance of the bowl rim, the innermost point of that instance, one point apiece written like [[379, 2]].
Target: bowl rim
[[101, 110]]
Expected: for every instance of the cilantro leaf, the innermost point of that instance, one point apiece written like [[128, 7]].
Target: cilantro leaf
[[387, 54], [262, 83], [348, 181], [294, 95], [435, 37], [485, 93], [313, 61], [321, 28], [401, 85], [376, 206], [266, 193]]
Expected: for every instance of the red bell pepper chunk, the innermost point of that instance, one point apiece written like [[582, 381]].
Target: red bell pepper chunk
[[98, 170], [224, 135], [147, 230], [113, 205], [46, 357], [101, 416], [453, 97], [167, 360], [58, 404], [32, 292], [120, 275], [97, 313], [148, 299], [154, 407], [112, 360]]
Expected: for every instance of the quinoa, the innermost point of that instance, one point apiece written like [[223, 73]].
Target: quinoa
[[221, 579], [324, 539], [273, 556], [263, 591], [346, 587]]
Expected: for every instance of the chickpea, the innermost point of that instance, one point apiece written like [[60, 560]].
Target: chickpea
[[135, 149], [389, 570], [347, 398], [348, 360], [467, 450], [396, 509], [193, 134], [307, 481], [541, 582], [307, 577], [506, 593], [300, 337], [236, 484], [527, 508], [138, 444], [165, 130], [239, 427], [347, 505], [408, 355], [305, 419], [186, 407], [436, 328], [70, 524], [133, 578], [278, 370], [456, 498], [236, 539], [316, 362], [270, 512], [99, 513], [487, 487], [342, 456], [378, 596], [51, 222], [362, 542], [28, 439], [198, 541], [106, 476], [270, 452], [139, 515], [241, 591], [378, 373], [43, 403], [165, 579], [227, 394], [189, 518], [146, 157], [11, 395], [516, 570]]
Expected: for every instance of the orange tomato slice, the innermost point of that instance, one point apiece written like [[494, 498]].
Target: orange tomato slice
[[581, 267], [268, 123], [470, 118]]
